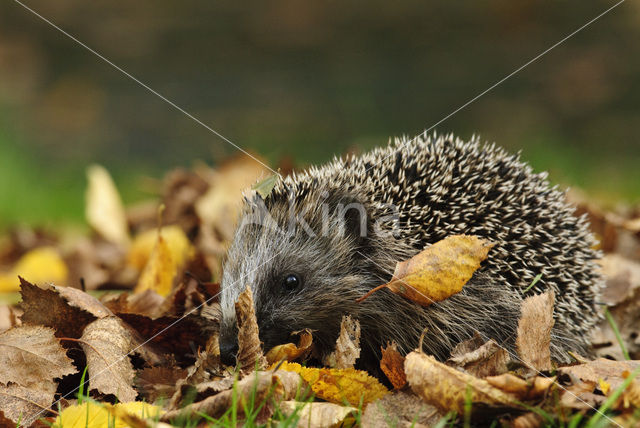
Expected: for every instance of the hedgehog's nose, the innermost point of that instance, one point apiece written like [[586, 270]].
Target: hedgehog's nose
[[228, 351]]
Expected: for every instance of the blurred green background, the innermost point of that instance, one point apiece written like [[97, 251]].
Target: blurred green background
[[306, 80]]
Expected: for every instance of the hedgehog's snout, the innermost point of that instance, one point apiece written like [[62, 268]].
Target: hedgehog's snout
[[228, 350]]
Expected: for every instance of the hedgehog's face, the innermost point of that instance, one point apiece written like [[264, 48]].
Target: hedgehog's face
[[300, 280]]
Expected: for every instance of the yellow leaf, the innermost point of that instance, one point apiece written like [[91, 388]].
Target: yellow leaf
[[438, 272], [161, 268], [39, 265], [289, 351], [94, 415], [143, 244], [339, 385], [104, 210]]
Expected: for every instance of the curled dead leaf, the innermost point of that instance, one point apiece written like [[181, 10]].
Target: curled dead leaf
[[318, 415], [479, 358], [392, 365], [448, 388], [534, 331], [291, 351], [347, 345], [260, 389], [250, 356], [523, 389]]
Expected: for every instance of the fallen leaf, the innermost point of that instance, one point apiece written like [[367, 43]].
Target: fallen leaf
[[31, 355], [25, 405], [9, 317], [90, 414], [479, 358], [160, 270], [447, 388], [250, 356], [318, 415], [107, 344], [220, 206], [291, 351], [340, 385], [259, 389], [534, 331], [530, 389], [40, 265], [67, 310], [347, 345], [179, 336], [602, 368], [528, 420], [104, 210], [392, 365], [438, 272], [400, 409], [155, 383], [143, 245]]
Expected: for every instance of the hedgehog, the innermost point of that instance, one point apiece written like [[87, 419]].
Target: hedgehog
[[324, 237]]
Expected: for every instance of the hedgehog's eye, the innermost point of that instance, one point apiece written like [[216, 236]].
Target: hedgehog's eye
[[291, 282]]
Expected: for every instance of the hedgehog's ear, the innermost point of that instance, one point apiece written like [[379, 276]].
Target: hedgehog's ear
[[353, 218]]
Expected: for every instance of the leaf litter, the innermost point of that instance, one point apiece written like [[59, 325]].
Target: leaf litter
[[126, 306]]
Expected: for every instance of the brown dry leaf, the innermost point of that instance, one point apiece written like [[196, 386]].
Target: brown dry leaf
[[523, 389], [338, 385], [107, 343], [220, 206], [528, 420], [347, 345], [250, 356], [177, 336], [318, 415], [622, 294], [438, 272], [534, 331], [9, 317], [259, 388], [602, 368], [40, 265], [392, 365], [291, 351], [67, 310], [25, 405], [104, 210], [148, 303], [402, 410], [479, 358], [155, 383], [31, 355], [160, 270], [447, 388]]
